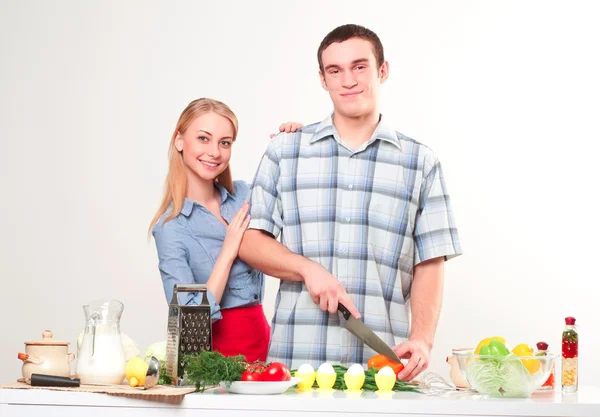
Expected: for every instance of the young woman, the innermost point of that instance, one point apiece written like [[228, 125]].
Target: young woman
[[199, 226]]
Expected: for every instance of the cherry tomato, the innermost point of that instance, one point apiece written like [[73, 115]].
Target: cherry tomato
[[250, 376], [276, 371]]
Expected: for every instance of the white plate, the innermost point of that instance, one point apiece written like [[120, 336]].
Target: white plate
[[260, 387]]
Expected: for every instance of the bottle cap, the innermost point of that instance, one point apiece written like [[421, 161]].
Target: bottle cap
[[542, 345], [570, 321]]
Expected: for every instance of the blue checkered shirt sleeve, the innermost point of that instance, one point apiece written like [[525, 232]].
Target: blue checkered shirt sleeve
[[435, 232], [265, 200]]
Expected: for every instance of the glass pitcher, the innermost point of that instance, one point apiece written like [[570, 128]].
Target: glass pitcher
[[101, 359]]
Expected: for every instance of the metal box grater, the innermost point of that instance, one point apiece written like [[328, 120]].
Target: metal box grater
[[189, 328]]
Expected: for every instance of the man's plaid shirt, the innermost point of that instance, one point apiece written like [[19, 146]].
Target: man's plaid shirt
[[368, 216]]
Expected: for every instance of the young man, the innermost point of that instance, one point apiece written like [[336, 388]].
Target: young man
[[364, 220]]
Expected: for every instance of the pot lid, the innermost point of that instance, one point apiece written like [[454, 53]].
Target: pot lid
[[47, 340]]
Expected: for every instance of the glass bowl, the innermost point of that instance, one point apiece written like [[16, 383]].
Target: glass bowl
[[505, 376]]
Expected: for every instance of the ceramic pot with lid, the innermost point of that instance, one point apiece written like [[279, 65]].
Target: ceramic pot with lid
[[46, 356]]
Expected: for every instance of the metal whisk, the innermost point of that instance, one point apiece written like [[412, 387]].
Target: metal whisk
[[433, 384]]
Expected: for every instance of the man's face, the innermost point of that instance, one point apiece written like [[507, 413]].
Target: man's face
[[351, 77]]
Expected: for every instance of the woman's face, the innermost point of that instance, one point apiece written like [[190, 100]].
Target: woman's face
[[206, 145]]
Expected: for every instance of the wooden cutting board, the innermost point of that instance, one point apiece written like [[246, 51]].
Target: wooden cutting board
[[161, 393]]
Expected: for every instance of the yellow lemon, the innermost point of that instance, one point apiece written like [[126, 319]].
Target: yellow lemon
[[135, 372]]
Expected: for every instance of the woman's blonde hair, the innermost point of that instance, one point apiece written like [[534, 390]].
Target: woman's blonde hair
[[176, 182]]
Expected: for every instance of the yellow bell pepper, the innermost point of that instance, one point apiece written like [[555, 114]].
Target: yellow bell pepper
[[532, 365], [487, 340]]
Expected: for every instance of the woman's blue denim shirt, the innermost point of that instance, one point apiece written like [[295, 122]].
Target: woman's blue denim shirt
[[188, 247]]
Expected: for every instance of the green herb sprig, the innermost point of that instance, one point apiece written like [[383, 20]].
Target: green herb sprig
[[164, 378], [209, 368]]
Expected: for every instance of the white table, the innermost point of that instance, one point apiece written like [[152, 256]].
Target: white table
[[21, 402]]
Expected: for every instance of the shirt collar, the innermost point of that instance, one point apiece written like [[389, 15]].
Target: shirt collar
[[224, 193], [326, 129], [188, 205]]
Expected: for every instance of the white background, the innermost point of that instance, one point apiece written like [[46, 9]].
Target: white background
[[505, 92]]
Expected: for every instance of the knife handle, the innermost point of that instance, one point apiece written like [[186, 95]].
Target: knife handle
[[39, 380], [342, 309]]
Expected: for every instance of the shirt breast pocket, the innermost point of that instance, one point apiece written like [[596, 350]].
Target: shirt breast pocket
[[390, 206], [390, 227]]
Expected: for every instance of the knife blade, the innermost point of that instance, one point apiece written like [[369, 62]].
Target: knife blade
[[369, 338]]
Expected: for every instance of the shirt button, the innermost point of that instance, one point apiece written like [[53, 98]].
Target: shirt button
[[344, 250], [255, 297], [347, 219], [350, 186]]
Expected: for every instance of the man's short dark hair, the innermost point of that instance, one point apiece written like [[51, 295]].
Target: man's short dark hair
[[345, 32]]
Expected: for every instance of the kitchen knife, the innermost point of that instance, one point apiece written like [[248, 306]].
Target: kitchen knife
[[360, 330], [40, 380]]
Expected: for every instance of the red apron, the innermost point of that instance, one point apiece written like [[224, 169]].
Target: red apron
[[242, 331]]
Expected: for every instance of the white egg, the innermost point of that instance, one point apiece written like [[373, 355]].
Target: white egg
[[306, 368], [386, 370], [326, 369], [356, 369]]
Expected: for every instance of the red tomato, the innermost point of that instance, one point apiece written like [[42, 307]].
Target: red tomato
[[250, 376], [276, 372]]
